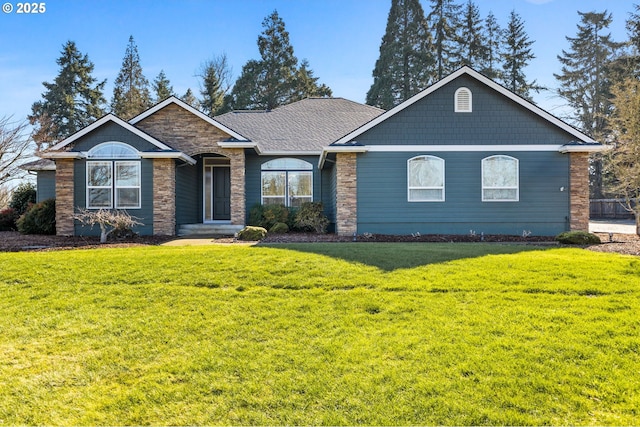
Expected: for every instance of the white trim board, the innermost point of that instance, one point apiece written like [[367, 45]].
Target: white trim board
[[462, 148]]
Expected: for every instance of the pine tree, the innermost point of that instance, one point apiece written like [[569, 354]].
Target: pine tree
[[493, 46], [162, 87], [473, 49], [131, 89], [71, 102], [273, 80], [516, 56], [190, 99], [444, 23], [215, 84], [306, 85], [405, 64]]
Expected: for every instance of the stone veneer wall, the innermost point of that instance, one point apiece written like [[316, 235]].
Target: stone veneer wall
[[346, 194], [64, 197], [190, 134], [579, 191], [164, 197]]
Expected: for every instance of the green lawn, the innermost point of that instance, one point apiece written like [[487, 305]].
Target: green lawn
[[453, 334]]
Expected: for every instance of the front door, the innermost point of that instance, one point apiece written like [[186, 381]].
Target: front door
[[217, 192]]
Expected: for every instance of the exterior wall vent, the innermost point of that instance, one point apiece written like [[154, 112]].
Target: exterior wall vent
[[463, 100]]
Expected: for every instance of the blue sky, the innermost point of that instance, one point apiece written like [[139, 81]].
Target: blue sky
[[340, 38]]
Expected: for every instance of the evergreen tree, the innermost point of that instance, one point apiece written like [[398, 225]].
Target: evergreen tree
[[444, 23], [405, 64], [131, 89], [162, 87], [71, 102], [306, 85], [190, 99], [493, 46], [473, 48], [633, 27], [216, 78], [516, 56]]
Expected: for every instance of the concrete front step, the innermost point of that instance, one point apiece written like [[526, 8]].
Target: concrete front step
[[208, 229]]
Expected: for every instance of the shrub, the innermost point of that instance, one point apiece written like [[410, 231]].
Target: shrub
[[22, 197], [273, 214], [8, 217], [256, 215], [310, 216], [578, 238], [39, 219], [279, 228], [118, 222], [252, 233]]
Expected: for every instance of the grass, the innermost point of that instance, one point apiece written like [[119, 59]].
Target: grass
[[396, 334]]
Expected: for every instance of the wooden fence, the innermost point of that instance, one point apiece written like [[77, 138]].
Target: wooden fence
[[608, 209]]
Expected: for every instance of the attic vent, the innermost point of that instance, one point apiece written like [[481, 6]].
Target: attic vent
[[463, 100]]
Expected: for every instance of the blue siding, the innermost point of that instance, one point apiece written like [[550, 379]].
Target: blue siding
[[188, 198], [144, 214], [45, 185], [495, 120], [542, 209], [112, 132]]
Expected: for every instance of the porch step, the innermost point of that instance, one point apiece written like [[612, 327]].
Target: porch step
[[208, 229]]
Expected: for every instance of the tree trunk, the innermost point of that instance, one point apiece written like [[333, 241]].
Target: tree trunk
[[103, 233], [637, 215]]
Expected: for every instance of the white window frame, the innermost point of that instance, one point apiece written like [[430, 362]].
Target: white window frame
[[459, 107], [116, 187], [99, 187], [410, 187], [516, 187], [286, 166]]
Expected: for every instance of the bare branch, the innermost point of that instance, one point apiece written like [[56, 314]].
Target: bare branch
[[15, 147], [108, 220]]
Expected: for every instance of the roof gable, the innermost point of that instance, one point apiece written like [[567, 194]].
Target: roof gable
[[104, 120], [184, 105], [465, 71]]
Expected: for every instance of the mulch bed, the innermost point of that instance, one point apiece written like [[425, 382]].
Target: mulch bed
[[11, 241]]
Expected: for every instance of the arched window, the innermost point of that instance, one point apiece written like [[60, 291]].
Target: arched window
[[113, 183], [425, 179], [287, 181], [463, 100], [500, 180]]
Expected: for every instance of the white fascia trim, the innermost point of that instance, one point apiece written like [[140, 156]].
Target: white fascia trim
[[341, 149], [469, 71], [462, 148], [168, 155], [110, 118], [189, 108], [63, 155], [231, 144], [290, 153], [587, 148]]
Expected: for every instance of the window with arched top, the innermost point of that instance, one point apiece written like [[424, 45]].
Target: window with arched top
[[287, 181], [500, 181], [425, 179], [463, 100], [113, 183]]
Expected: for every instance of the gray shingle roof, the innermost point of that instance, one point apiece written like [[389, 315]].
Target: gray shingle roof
[[39, 165], [302, 126]]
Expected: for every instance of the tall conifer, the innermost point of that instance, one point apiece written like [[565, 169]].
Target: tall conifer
[[405, 64], [131, 89], [162, 87], [473, 48], [516, 56], [444, 22]]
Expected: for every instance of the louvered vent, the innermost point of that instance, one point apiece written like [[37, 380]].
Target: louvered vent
[[463, 100]]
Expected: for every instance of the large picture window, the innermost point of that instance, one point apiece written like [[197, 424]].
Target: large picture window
[[500, 182], [113, 183], [425, 179], [287, 182]]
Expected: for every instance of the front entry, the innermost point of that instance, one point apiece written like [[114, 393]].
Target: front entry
[[217, 190]]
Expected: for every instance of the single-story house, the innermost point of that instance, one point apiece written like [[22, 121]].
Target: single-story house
[[464, 154]]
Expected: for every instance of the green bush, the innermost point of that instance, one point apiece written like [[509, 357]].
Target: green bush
[[22, 197], [39, 219], [256, 215], [273, 214], [252, 233], [8, 217], [578, 238], [279, 228], [311, 217]]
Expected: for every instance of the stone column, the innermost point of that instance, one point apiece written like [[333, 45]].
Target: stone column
[[164, 197], [238, 193], [64, 197], [579, 191], [346, 194]]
